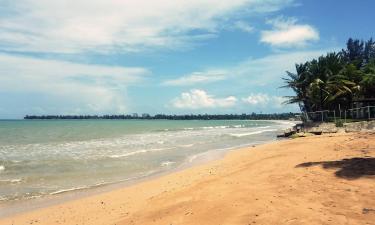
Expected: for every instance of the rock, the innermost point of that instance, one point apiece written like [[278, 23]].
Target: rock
[[359, 126], [319, 128]]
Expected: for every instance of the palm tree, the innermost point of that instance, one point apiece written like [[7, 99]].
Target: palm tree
[[298, 82], [368, 81], [334, 79], [341, 91]]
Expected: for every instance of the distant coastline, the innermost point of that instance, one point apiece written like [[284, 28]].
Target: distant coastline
[[145, 116]]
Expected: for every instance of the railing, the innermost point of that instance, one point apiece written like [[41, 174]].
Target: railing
[[353, 114]]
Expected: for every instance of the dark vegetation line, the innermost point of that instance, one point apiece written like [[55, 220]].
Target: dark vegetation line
[[253, 116], [336, 81]]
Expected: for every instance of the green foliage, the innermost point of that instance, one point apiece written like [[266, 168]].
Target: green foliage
[[339, 123], [334, 79]]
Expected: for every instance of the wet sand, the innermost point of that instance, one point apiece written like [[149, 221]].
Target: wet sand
[[328, 179]]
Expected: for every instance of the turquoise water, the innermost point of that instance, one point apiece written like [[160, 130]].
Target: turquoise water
[[39, 158]]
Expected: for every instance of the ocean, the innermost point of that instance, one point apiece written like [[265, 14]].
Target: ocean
[[43, 158]]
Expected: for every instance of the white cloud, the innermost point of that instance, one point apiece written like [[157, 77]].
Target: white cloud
[[270, 69], [199, 99], [73, 26], [257, 99], [243, 26], [67, 87], [259, 74], [287, 33], [197, 78], [251, 72], [262, 99]]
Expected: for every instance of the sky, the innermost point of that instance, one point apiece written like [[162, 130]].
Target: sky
[[164, 56]]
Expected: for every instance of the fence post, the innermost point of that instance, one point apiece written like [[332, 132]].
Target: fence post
[[334, 115], [345, 115], [322, 116], [368, 112], [357, 113]]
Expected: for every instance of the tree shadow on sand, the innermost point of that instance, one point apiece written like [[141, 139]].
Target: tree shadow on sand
[[353, 168]]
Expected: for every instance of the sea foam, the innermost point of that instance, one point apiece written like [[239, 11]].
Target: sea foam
[[252, 133]]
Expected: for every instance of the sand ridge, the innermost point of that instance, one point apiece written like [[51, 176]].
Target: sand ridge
[[328, 179]]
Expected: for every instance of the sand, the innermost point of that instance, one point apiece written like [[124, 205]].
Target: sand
[[328, 179]]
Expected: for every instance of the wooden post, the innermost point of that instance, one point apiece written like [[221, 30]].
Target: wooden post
[[334, 115], [368, 112], [357, 113], [345, 115]]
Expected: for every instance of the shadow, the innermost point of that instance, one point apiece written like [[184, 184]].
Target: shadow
[[353, 168]]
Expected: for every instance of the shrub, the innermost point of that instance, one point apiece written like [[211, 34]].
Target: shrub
[[339, 123]]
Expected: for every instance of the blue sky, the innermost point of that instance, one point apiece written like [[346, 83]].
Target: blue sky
[[164, 56]]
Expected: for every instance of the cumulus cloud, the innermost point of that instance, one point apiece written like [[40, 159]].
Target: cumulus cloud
[[256, 99], [287, 33], [262, 99], [197, 78], [199, 99], [66, 87], [72, 26]]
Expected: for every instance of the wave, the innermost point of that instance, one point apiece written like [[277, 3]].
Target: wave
[[214, 127], [2, 168], [186, 146], [287, 122], [11, 181], [138, 152], [61, 191], [204, 128], [84, 187], [69, 189], [167, 163], [225, 127], [264, 127], [252, 133]]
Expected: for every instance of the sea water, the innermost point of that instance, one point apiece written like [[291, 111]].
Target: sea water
[[49, 157]]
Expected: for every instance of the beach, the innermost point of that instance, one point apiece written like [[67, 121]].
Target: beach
[[40, 158], [327, 179]]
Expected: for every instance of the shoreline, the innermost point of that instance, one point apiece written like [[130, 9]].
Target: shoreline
[[278, 182], [14, 208]]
